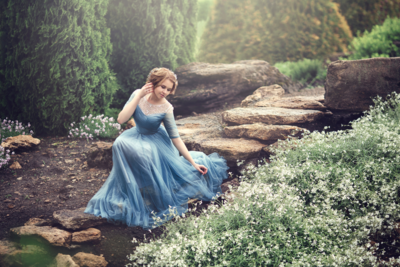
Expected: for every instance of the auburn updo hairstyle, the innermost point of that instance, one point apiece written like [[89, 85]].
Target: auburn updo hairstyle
[[158, 75]]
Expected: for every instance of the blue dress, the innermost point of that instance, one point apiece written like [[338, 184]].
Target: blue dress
[[149, 178]]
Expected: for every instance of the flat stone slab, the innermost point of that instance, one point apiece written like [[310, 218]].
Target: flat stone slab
[[277, 116], [20, 142], [77, 219], [88, 235], [262, 131], [295, 102], [89, 260], [55, 236], [205, 133]]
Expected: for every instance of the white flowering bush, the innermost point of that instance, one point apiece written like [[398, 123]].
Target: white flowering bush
[[9, 128], [94, 127], [321, 201]]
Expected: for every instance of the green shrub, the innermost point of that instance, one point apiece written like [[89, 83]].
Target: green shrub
[[54, 62], [275, 31], [318, 203], [149, 34], [379, 42], [304, 71], [362, 15]]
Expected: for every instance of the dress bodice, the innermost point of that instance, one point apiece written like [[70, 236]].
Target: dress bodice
[[148, 117]]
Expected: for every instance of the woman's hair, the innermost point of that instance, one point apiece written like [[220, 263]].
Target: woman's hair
[[158, 75]]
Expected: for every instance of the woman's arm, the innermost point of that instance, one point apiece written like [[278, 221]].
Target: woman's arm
[[130, 108], [178, 143]]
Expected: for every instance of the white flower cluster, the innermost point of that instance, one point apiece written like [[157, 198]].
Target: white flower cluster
[[10, 128], [94, 126], [318, 203]]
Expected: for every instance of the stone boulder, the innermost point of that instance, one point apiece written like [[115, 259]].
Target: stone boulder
[[54, 236], [277, 116], [262, 131], [77, 219], [269, 93], [89, 260], [205, 133], [203, 86], [65, 261], [88, 235], [351, 84], [20, 142], [100, 155]]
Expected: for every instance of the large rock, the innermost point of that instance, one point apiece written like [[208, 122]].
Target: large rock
[[205, 133], [89, 260], [88, 235], [53, 235], [65, 261], [265, 93], [262, 131], [77, 219], [204, 86], [20, 142], [100, 155], [277, 116], [295, 102], [350, 85]]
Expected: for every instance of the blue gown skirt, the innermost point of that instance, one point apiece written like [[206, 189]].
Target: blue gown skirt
[[149, 179]]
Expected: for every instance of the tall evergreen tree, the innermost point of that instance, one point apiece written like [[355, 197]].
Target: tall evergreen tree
[[274, 30], [148, 34], [225, 30], [362, 15], [55, 61]]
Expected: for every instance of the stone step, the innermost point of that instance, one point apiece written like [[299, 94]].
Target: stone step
[[295, 102], [262, 131], [205, 133], [271, 115]]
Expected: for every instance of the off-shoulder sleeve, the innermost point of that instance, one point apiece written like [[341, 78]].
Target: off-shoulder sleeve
[[131, 97], [170, 125]]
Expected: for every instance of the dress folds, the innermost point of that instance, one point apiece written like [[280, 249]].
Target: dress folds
[[149, 178]]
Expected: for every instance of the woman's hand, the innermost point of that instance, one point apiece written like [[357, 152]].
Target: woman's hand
[[201, 168], [146, 89]]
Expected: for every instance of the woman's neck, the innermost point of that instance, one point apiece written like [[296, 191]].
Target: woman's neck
[[152, 99]]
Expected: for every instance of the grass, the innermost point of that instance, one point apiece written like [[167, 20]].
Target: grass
[[328, 199]]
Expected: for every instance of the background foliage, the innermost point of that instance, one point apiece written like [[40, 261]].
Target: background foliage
[[304, 71], [147, 34], [274, 31], [54, 61], [382, 41], [362, 15]]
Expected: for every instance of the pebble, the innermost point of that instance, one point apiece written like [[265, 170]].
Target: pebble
[[19, 178], [11, 206]]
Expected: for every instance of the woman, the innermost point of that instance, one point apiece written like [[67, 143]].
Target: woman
[[149, 178]]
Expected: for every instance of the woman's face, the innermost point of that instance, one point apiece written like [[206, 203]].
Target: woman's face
[[164, 89]]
